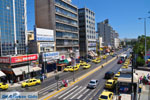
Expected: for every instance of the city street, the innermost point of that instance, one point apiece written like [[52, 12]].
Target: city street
[[49, 85], [80, 91]]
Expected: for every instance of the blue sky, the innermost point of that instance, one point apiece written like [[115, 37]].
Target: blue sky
[[122, 14]]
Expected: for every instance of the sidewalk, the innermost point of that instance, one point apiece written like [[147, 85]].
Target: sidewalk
[[145, 93], [50, 74]]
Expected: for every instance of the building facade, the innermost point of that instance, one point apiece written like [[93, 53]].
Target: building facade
[[61, 16], [109, 35], [87, 31], [13, 27]]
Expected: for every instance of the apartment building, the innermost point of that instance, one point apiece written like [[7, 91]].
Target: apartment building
[[87, 31], [109, 35], [61, 16]]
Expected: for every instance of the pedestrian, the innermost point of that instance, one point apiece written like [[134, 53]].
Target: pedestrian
[[148, 76], [43, 77], [141, 79], [102, 66], [67, 82]]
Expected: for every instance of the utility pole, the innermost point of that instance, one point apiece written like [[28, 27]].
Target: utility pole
[[28, 61], [132, 76]]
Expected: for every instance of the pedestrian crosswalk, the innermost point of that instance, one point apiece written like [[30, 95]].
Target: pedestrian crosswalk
[[74, 93]]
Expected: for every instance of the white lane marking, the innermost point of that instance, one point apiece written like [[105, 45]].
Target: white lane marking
[[78, 93], [88, 95], [67, 92], [72, 93], [47, 88], [79, 96]]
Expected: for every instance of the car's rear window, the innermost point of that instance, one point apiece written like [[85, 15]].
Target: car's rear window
[[93, 82], [103, 97], [109, 82], [116, 76]]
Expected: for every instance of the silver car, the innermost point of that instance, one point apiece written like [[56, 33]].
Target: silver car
[[92, 84]]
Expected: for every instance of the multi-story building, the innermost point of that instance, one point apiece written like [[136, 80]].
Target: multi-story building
[[14, 60], [13, 27], [107, 33], [87, 31], [61, 16]]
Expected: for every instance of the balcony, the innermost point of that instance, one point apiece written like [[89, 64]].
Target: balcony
[[58, 5], [60, 14], [67, 38]]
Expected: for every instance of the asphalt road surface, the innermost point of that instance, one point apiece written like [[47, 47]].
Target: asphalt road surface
[[49, 85]]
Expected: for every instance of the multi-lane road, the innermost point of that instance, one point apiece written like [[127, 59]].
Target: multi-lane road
[[78, 90]]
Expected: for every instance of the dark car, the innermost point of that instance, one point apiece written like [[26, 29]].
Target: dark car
[[120, 61], [109, 75]]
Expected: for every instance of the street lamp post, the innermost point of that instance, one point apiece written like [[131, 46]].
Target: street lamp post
[[145, 37], [28, 61]]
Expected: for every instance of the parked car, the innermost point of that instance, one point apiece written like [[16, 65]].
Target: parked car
[[3, 86], [109, 75], [92, 84]]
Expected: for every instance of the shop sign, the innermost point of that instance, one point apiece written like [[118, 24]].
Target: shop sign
[[25, 58], [4, 59], [44, 34], [92, 44], [62, 57], [46, 44], [50, 56]]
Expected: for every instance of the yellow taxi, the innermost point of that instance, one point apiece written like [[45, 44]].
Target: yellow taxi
[[75, 68], [105, 56], [110, 84], [3, 86], [78, 65], [31, 82], [118, 73], [106, 95], [83, 63], [97, 61], [86, 66], [124, 67], [116, 76], [111, 53], [126, 63], [66, 69]]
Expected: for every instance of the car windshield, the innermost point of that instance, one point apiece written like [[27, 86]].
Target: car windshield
[[92, 82], [109, 82], [103, 97]]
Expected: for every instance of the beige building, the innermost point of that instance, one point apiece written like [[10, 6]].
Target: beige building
[[62, 17]]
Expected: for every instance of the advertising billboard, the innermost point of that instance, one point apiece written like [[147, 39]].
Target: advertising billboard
[[4, 59], [44, 34], [24, 58], [50, 56], [18, 59]]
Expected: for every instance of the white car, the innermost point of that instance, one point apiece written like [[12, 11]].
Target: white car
[[92, 84]]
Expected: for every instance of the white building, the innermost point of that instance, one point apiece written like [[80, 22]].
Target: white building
[[116, 43]]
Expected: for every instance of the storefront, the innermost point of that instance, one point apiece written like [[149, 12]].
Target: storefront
[[2, 77], [48, 61], [18, 68]]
